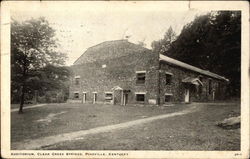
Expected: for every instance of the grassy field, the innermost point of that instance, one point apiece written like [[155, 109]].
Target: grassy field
[[63, 118], [17, 105], [193, 131]]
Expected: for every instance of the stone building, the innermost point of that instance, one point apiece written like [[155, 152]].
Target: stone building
[[120, 72]]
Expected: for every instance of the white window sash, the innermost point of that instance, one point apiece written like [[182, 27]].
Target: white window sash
[[140, 71], [140, 92], [169, 73], [108, 92], [168, 94]]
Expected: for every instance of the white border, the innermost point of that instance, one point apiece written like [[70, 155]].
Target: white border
[[146, 5]]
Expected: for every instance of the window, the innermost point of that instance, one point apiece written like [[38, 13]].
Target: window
[[209, 86], [140, 78], [77, 80], [76, 95], [140, 97], [168, 97], [108, 96], [168, 78]]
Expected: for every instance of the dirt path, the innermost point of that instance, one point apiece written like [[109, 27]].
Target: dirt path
[[50, 140]]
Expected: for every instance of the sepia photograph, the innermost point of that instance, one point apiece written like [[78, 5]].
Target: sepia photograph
[[110, 78]]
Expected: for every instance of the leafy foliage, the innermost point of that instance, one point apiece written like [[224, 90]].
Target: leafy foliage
[[212, 42], [35, 63], [164, 44]]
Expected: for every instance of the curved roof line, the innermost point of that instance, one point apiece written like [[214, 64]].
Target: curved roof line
[[121, 40]]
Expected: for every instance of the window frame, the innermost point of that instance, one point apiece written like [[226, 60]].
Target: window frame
[[170, 95], [140, 74], [94, 97], [138, 94], [108, 98], [77, 80], [77, 96], [168, 78]]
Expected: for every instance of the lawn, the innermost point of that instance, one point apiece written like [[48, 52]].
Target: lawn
[[54, 119], [193, 131], [13, 106]]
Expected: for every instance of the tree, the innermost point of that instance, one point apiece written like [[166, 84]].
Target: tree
[[33, 52], [164, 44], [54, 78], [212, 42]]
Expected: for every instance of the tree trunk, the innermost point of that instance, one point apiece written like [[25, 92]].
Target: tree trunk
[[21, 100], [36, 97], [23, 88]]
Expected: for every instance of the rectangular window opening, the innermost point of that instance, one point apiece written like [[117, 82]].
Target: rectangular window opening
[[76, 95], [140, 78], [168, 79], [108, 97], [77, 80], [168, 98], [140, 97]]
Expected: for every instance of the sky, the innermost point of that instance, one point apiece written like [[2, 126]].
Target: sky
[[80, 25]]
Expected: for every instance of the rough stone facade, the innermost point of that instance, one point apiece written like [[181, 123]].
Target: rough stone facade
[[177, 88], [108, 73], [104, 74]]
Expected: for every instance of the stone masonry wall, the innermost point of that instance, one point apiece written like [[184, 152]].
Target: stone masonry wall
[[114, 63], [177, 88], [120, 72]]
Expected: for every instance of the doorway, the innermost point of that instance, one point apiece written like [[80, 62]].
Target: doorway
[[94, 98], [187, 96], [84, 98], [125, 99]]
